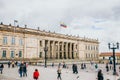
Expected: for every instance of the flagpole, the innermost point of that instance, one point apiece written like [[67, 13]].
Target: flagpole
[[15, 21]]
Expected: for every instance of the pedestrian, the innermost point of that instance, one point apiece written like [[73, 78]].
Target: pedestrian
[[100, 75], [59, 73], [107, 68], [76, 70], [1, 68], [73, 68], [84, 66], [21, 70], [24, 70], [96, 67], [36, 74], [9, 64], [110, 67], [59, 64], [13, 64], [16, 63], [64, 65], [52, 64]]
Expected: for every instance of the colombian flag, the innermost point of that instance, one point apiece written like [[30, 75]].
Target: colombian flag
[[63, 25]]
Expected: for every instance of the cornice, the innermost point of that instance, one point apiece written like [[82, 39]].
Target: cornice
[[43, 33]]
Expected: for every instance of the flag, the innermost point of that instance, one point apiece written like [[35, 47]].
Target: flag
[[63, 25], [15, 21]]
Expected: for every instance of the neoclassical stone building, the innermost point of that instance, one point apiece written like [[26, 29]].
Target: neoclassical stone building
[[25, 43]]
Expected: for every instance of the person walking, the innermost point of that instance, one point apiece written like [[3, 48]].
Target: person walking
[[9, 64], [73, 68], [21, 70], [107, 67], [84, 66], [1, 68], [96, 67], [36, 74], [100, 75], [59, 73], [52, 64], [24, 69], [13, 64], [76, 70]]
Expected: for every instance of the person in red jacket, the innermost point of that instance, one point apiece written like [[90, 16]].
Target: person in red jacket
[[36, 74]]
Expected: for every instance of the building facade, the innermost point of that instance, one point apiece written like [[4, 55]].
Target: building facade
[[25, 43], [105, 57]]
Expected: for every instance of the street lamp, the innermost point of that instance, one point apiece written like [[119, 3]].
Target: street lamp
[[113, 48], [46, 49]]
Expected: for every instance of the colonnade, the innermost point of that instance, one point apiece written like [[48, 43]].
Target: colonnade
[[61, 50]]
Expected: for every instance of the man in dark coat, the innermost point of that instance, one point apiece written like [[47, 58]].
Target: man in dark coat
[[24, 70], [21, 70], [73, 68], [1, 68], [100, 75]]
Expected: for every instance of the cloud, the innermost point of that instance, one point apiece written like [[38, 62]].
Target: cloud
[[90, 18]]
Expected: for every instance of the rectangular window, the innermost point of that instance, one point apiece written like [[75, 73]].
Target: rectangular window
[[20, 42], [12, 54], [4, 40], [4, 53], [13, 41], [20, 54]]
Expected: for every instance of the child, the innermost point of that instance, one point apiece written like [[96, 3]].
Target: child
[[36, 74]]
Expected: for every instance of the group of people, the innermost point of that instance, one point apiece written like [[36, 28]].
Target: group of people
[[83, 66], [23, 69], [13, 64]]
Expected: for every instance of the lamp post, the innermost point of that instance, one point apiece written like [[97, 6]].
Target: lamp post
[[46, 49], [113, 48]]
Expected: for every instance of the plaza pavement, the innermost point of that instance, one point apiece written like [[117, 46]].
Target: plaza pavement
[[50, 73]]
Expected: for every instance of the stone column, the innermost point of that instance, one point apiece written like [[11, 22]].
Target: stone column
[[66, 50], [50, 50], [77, 50], [62, 50], [38, 48], [48, 53], [53, 49], [58, 50], [43, 46], [70, 51], [24, 49], [74, 50]]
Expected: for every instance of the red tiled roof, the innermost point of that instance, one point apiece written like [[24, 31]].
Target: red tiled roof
[[109, 54]]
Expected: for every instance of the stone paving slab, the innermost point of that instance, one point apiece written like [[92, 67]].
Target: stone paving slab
[[50, 73]]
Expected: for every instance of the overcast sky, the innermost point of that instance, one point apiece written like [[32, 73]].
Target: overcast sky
[[97, 19]]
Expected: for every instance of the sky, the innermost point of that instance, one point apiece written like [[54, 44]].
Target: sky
[[95, 19]]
